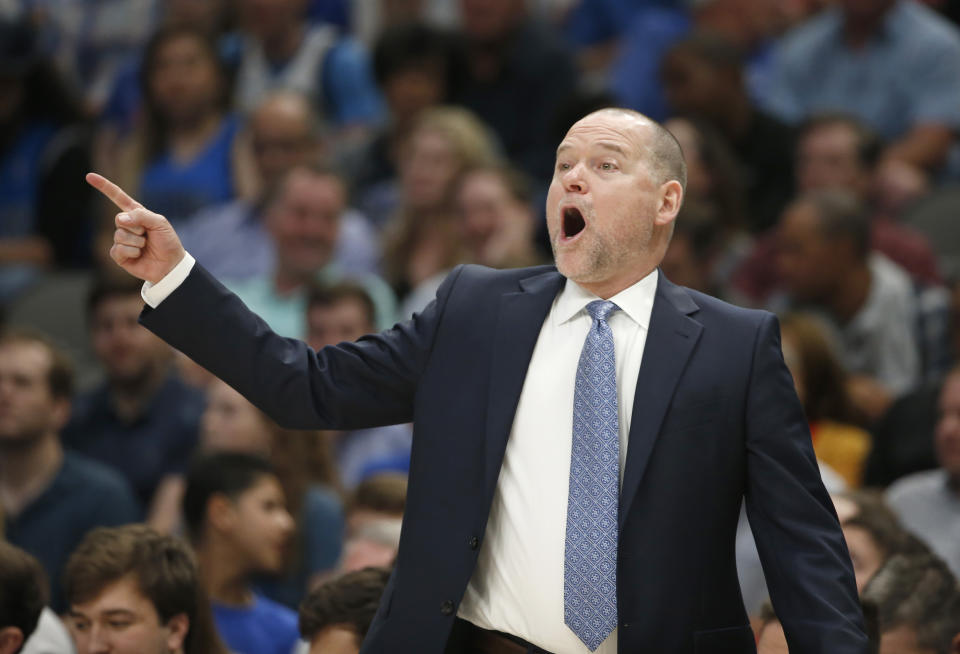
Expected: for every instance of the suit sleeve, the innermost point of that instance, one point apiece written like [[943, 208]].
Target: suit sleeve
[[801, 546], [348, 386]]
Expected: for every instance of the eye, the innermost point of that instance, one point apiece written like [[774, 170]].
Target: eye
[[608, 165], [80, 625], [563, 166], [119, 624]]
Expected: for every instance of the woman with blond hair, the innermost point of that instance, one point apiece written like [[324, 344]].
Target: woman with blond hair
[[422, 241]]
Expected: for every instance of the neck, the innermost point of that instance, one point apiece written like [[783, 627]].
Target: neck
[[131, 396], [608, 288], [25, 472], [289, 281], [852, 293], [283, 45], [224, 578], [190, 134]]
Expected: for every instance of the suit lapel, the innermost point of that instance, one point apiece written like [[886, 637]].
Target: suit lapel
[[670, 341], [518, 327]]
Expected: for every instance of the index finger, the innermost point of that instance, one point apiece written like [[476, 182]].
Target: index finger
[[116, 194]]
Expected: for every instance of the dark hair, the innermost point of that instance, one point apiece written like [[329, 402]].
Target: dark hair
[[919, 592], [840, 215], [874, 516], [107, 286], [712, 48], [23, 589], [825, 395], [383, 493], [60, 375], [326, 295], [400, 48], [725, 170], [156, 125], [165, 572], [351, 599], [224, 473], [868, 143]]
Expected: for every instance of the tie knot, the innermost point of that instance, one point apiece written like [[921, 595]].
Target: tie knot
[[600, 309]]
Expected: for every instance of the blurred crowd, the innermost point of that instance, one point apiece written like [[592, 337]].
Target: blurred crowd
[[331, 162]]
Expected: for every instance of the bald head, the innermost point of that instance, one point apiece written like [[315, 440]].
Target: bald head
[[285, 134], [664, 155]]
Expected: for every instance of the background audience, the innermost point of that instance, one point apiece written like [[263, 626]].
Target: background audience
[[332, 161]]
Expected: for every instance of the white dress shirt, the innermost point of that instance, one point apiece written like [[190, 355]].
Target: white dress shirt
[[517, 586]]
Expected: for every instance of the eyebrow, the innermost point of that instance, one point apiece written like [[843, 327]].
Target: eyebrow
[[606, 145]]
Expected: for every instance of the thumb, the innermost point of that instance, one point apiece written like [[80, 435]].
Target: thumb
[[142, 218]]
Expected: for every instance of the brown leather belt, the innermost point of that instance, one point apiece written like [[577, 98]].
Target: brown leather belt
[[483, 641]]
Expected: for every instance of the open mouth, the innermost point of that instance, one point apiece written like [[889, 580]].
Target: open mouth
[[572, 222]]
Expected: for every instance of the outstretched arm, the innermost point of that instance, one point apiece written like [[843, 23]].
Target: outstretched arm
[[364, 384]]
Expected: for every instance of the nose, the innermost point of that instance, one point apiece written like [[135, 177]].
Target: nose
[[286, 522], [98, 641], [573, 179]]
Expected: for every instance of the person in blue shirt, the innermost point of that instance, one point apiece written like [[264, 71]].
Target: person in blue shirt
[[236, 517], [49, 498], [186, 156], [282, 50]]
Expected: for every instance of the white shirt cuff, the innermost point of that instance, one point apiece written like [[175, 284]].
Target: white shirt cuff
[[154, 294]]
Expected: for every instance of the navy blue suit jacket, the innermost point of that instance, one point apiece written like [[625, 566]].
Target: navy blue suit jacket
[[715, 420]]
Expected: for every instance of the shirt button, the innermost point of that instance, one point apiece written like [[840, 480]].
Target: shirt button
[[474, 543], [446, 607]]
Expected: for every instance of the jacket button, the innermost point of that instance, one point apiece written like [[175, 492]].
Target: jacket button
[[446, 607], [474, 543]]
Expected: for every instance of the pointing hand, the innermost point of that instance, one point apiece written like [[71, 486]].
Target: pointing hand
[[144, 243]]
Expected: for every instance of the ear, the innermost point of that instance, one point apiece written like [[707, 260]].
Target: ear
[[671, 197], [221, 514], [11, 638], [177, 626], [61, 413]]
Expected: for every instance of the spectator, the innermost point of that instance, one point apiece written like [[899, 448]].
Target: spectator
[[281, 50], [374, 516], [865, 299], [142, 420], [646, 36], [703, 77], [518, 76], [822, 386], [928, 503], [918, 606], [184, 158], [237, 520], [335, 617], [422, 242], [497, 224], [345, 312], [45, 213], [23, 596], [303, 217], [417, 67], [695, 249], [133, 591], [231, 239], [305, 467], [893, 63], [837, 151], [50, 498], [873, 535]]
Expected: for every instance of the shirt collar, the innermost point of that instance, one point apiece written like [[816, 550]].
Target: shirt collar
[[635, 301]]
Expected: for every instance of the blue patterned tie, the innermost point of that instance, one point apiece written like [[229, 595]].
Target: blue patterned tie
[[590, 564]]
